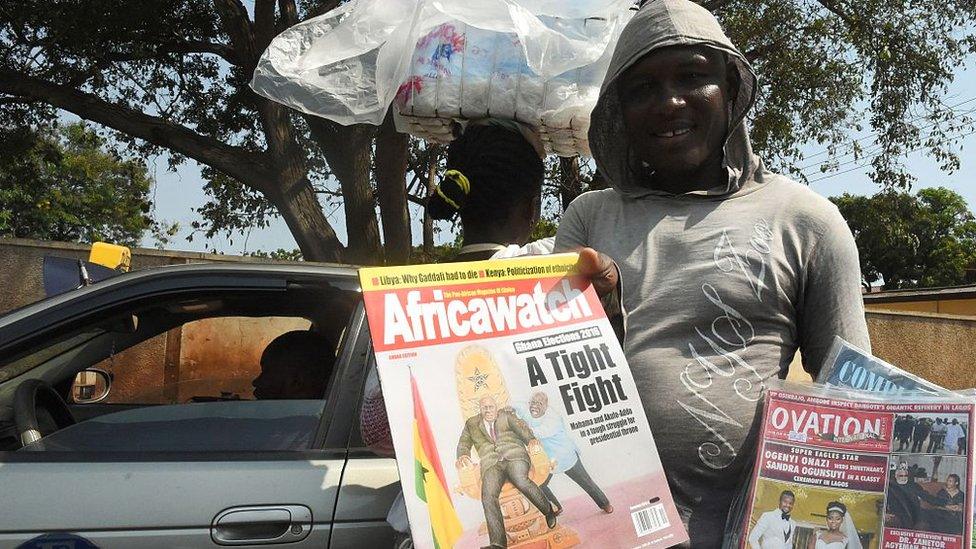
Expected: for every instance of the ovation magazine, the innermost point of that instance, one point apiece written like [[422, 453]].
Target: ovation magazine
[[833, 470], [514, 416]]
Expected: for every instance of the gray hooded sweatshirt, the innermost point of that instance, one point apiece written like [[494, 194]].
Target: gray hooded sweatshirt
[[721, 286]]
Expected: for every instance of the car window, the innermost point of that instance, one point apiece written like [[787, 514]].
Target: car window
[[213, 372], [370, 434], [205, 360], [32, 360]]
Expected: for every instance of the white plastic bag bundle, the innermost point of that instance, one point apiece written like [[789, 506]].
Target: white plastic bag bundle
[[540, 62]]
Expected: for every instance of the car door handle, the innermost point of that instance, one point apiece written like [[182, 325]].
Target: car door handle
[[261, 524]]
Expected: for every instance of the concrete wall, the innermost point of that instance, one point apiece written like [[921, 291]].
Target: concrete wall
[[205, 357], [22, 260], [963, 307], [938, 347]]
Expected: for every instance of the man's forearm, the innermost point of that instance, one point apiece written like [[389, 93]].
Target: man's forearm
[[464, 446]]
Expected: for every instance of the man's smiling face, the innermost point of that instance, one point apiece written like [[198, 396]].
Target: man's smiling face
[[786, 503], [675, 103]]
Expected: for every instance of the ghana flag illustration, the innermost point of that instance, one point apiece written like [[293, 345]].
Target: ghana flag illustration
[[430, 482]]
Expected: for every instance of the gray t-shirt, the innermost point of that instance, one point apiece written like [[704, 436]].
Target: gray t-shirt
[[719, 293]]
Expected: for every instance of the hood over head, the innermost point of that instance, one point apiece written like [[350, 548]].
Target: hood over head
[[659, 24]]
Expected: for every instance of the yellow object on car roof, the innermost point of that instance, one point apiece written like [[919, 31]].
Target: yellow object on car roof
[[112, 256]]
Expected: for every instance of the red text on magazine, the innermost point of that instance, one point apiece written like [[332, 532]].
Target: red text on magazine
[[830, 427], [417, 317]]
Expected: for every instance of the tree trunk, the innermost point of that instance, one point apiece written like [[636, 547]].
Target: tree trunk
[[428, 222], [570, 184], [278, 173], [353, 171], [292, 192], [301, 210], [347, 150], [391, 188]]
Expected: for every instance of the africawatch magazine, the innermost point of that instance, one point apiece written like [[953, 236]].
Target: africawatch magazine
[[514, 415]]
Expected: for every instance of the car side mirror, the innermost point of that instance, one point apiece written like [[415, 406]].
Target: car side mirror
[[90, 386]]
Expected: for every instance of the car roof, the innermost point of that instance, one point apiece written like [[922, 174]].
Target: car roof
[[244, 275]]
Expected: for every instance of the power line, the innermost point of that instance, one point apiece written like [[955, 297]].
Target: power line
[[875, 151], [859, 166], [850, 148], [875, 134]]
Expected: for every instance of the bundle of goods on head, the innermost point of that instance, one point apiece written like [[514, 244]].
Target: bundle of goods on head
[[444, 65]]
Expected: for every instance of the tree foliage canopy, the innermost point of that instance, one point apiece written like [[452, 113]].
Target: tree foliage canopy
[[172, 75], [63, 185], [832, 68], [922, 240]]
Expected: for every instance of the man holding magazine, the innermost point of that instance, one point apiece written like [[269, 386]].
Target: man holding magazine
[[724, 269]]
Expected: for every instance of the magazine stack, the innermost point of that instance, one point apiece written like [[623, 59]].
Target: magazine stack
[[514, 416], [874, 458], [849, 367]]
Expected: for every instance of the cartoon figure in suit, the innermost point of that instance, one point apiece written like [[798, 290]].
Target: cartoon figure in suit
[[502, 441]]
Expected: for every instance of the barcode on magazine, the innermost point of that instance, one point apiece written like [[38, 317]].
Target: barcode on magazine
[[650, 519]]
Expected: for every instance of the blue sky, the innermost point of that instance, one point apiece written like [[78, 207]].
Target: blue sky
[[178, 193]]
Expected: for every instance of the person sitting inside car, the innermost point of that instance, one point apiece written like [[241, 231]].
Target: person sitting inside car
[[295, 365]]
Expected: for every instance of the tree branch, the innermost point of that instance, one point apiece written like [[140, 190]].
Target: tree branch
[[244, 165], [289, 13], [235, 22], [264, 24], [774, 46], [324, 7], [224, 51], [835, 9]]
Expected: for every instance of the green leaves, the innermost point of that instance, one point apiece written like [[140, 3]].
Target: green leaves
[[63, 185], [922, 240], [827, 67]]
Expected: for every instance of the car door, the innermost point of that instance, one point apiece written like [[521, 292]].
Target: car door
[[158, 492], [370, 485]]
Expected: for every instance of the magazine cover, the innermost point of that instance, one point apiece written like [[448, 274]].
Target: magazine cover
[[833, 471], [850, 367], [514, 416]]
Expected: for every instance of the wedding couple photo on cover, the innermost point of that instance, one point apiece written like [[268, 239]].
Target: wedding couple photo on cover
[[779, 528]]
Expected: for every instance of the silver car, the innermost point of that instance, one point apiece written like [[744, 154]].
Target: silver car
[[128, 418]]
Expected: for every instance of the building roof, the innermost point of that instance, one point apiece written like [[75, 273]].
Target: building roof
[[922, 294]]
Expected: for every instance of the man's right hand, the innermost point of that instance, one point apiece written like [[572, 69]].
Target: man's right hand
[[600, 269], [464, 461]]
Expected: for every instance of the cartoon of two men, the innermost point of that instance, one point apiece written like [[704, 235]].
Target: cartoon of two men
[[549, 428], [503, 441]]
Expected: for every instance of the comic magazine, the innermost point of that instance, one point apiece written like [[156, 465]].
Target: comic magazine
[[850, 367], [514, 416], [844, 470]]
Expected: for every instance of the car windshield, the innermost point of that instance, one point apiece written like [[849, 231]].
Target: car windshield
[[76, 340]]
